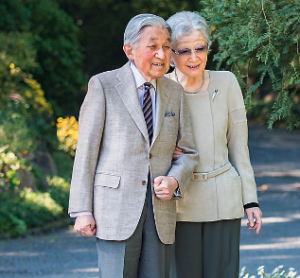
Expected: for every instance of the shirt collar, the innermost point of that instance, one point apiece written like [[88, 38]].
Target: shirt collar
[[139, 79]]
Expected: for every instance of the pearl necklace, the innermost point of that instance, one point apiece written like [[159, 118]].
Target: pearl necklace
[[189, 92]]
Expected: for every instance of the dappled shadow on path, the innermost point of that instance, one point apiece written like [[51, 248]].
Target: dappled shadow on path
[[275, 156], [59, 254], [279, 240]]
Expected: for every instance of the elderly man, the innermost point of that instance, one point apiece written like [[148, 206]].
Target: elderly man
[[124, 182]]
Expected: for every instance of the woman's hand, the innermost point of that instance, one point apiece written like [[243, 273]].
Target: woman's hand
[[254, 219], [177, 153]]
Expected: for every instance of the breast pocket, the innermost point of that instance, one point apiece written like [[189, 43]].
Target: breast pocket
[[107, 180], [170, 119], [169, 114], [169, 129]]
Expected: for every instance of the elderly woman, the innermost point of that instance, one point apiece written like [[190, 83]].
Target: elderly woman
[[223, 185]]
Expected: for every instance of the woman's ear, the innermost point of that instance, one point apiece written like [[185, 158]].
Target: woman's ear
[[128, 49]]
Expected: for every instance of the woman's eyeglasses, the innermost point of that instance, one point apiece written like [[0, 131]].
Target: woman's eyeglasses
[[185, 52]]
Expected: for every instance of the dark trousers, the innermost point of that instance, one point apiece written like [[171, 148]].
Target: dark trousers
[[143, 255], [207, 249]]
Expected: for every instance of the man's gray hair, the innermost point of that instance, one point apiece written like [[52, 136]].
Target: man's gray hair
[[183, 23], [135, 26]]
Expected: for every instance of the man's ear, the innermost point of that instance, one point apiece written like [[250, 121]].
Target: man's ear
[[128, 49]]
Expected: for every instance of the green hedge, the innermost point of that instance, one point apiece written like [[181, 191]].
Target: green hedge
[[27, 209]]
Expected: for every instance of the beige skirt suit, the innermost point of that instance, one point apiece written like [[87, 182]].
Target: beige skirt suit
[[221, 136], [207, 245]]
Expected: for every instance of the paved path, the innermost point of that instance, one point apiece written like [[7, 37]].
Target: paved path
[[275, 157]]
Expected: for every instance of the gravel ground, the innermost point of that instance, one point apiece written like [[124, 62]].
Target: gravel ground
[[275, 157]]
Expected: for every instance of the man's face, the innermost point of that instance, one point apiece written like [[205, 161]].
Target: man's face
[[153, 53]]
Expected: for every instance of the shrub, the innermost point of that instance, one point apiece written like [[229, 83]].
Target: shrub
[[259, 41], [9, 223], [64, 163], [59, 191], [25, 114], [9, 164], [27, 209], [54, 40], [36, 209]]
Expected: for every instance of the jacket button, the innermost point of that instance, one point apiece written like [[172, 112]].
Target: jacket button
[[144, 182], [150, 155]]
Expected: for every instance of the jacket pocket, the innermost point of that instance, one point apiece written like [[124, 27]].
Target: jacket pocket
[[107, 180], [236, 182], [231, 201], [235, 190]]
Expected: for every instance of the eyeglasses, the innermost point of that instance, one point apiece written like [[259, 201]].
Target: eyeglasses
[[185, 52]]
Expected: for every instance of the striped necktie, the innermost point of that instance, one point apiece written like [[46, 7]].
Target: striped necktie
[[147, 110]]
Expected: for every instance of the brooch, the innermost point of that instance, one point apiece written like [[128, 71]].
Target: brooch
[[215, 93]]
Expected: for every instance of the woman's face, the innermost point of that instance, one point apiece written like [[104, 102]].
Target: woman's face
[[191, 63]]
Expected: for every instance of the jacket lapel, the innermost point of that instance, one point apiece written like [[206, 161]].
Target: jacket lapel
[[163, 95], [128, 93]]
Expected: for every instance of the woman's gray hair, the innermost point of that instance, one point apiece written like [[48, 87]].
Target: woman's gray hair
[[183, 23], [135, 26]]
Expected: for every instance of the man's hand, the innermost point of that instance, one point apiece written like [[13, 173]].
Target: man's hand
[[164, 187], [85, 225], [257, 223]]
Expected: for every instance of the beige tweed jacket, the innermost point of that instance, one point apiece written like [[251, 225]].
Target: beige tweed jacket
[[113, 158], [221, 135]]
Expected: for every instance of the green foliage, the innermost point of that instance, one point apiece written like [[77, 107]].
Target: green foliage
[[64, 164], [258, 40], [59, 191], [39, 49], [36, 209], [27, 209], [25, 114], [9, 223], [9, 164], [23, 209], [54, 39]]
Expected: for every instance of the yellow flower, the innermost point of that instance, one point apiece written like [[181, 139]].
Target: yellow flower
[[212, 28], [28, 94], [67, 133]]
